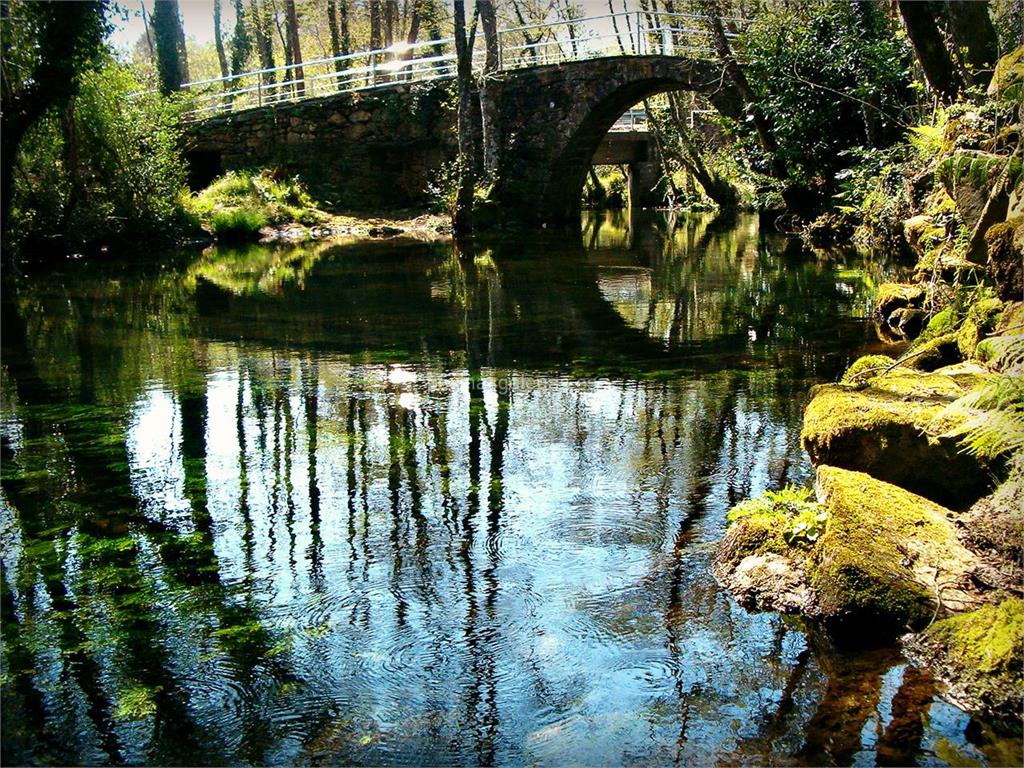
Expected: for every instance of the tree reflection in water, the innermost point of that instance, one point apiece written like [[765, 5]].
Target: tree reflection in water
[[394, 503]]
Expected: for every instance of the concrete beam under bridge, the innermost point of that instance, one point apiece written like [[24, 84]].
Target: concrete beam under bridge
[[637, 152]]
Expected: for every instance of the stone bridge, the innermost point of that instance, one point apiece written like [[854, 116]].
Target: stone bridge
[[386, 148]]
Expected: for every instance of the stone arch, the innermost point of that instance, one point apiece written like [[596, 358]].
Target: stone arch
[[555, 117]]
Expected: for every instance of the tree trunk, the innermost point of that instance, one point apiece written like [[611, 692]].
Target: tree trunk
[[218, 40], [241, 42], [70, 37], [264, 43], [166, 30], [765, 136], [489, 116], [462, 213], [930, 49], [332, 25], [975, 38], [390, 21], [292, 23], [182, 49], [376, 38]]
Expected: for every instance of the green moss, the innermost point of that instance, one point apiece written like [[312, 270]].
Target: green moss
[[883, 552], [980, 655], [883, 429], [935, 353], [1008, 78], [868, 364], [942, 322], [967, 338], [756, 533], [986, 640], [985, 313], [891, 296]]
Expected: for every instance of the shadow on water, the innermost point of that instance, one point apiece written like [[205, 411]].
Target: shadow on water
[[397, 503]]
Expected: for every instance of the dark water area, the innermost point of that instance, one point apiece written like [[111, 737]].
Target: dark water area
[[386, 503]]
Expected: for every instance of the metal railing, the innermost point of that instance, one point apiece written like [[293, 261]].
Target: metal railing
[[636, 33], [634, 120]]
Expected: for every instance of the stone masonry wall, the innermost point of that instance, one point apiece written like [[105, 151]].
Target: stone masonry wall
[[368, 151]]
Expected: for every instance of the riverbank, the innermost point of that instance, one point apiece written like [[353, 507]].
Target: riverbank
[[417, 225], [915, 529]]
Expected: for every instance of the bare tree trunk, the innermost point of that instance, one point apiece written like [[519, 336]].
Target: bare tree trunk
[[149, 32], [462, 214], [975, 37], [292, 23], [488, 103], [390, 17], [930, 49]]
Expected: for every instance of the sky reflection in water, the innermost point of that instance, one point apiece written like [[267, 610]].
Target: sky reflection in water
[[383, 503]]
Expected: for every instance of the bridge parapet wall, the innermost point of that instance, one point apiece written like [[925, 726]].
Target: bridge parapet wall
[[357, 151]]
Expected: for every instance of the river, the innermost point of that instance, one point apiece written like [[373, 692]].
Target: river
[[388, 503]]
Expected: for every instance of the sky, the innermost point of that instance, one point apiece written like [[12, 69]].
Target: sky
[[197, 18]]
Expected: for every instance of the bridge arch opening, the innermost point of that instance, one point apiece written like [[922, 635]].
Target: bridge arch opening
[[581, 151], [559, 116]]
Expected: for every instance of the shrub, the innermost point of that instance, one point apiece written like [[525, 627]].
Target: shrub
[[107, 169], [237, 224]]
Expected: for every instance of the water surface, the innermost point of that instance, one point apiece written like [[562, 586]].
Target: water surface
[[387, 503]]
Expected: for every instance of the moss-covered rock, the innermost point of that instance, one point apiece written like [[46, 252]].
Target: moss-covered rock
[[1008, 78], [884, 429], [967, 338], [969, 177], [866, 367], [892, 296], [935, 353], [1005, 245], [889, 559], [1012, 316], [762, 558], [979, 655]]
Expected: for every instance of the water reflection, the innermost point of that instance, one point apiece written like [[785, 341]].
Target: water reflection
[[415, 506]]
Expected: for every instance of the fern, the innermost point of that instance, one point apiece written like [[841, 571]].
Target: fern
[[1003, 353], [990, 418]]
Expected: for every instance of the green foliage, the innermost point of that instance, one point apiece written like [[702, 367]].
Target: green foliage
[[990, 418], [136, 702], [237, 224], [236, 205], [107, 169], [804, 519], [828, 78]]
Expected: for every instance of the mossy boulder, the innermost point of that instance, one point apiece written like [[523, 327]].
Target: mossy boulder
[[1008, 78], [1005, 245], [936, 353], [967, 338], [866, 367], [887, 429], [889, 559], [892, 296], [969, 177], [979, 655]]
